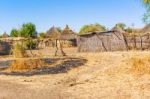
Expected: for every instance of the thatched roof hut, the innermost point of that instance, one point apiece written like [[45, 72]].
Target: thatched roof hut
[[5, 35], [53, 33], [67, 34]]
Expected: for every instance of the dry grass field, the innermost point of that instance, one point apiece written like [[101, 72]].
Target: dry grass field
[[109, 75]]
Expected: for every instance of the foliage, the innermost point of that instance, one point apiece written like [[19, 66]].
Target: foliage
[[31, 44], [27, 30], [146, 17], [121, 26], [42, 35], [92, 28], [14, 33]]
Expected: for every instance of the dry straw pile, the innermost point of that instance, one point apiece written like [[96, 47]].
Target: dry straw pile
[[19, 51], [23, 65]]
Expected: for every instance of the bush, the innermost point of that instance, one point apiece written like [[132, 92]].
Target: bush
[[31, 44]]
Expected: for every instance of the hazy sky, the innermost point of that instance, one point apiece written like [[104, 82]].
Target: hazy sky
[[75, 13]]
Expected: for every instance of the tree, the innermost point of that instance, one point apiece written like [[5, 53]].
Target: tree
[[42, 35], [121, 26], [146, 17], [146, 1], [92, 28], [14, 33], [28, 30]]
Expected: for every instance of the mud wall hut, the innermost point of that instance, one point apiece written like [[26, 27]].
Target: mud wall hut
[[102, 41], [68, 37]]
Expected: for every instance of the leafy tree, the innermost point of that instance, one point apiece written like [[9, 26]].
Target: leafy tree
[[14, 33], [42, 35], [146, 17], [146, 2], [92, 28], [28, 30], [121, 26]]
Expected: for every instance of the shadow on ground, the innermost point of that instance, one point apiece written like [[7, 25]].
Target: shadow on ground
[[57, 66]]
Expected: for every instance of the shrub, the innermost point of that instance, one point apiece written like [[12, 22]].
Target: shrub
[[31, 44]]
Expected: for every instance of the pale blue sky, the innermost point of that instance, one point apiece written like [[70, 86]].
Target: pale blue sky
[[75, 13]]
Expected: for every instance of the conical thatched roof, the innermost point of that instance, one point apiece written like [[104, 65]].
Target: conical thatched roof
[[146, 29], [67, 33], [53, 33], [5, 35]]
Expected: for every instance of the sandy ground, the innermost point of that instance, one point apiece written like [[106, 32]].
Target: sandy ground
[[102, 76]]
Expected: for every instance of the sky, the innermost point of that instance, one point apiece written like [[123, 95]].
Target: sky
[[76, 13]]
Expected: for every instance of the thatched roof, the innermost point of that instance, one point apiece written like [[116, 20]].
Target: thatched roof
[[5, 35], [67, 34], [146, 29], [53, 33]]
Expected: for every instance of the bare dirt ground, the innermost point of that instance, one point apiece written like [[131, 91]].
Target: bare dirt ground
[[102, 76]]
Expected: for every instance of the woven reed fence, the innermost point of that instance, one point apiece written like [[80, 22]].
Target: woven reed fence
[[137, 42]]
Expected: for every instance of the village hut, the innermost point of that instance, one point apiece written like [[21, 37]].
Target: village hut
[[6, 44], [5, 48], [5, 35], [68, 37], [52, 35], [102, 41]]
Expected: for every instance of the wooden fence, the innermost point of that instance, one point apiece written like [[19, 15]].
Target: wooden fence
[[137, 42]]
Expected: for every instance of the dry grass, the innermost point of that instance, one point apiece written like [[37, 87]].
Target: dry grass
[[140, 65], [19, 51], [104, 76], [23, 65]]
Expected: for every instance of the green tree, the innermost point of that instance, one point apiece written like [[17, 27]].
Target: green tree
[[14, 33], [121, 26], [146, 17], [92, 28], [28, 30], [42, 35]]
